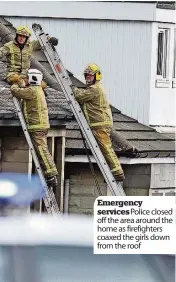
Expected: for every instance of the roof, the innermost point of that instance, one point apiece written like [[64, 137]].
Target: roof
[[144, 138]]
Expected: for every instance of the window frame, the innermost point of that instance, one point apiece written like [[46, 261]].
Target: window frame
[[174, 63], [162, 81], [156, 191]]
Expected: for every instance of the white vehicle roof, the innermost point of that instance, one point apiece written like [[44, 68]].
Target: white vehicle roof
[[46, 230]]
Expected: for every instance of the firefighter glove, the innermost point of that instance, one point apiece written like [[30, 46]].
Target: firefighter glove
[[53, 41]]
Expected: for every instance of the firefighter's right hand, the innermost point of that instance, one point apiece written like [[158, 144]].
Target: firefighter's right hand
[[43, 84], [15, 78], [74, 88]]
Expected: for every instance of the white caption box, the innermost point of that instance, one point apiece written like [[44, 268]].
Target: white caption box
[[134, 225]]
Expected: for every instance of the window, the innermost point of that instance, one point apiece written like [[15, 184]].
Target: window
[[162, 192], [174, 63], [162, 56]]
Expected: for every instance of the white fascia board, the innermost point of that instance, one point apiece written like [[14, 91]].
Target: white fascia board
[[164, 129], [123, 160], [165, 16], [80, 10]]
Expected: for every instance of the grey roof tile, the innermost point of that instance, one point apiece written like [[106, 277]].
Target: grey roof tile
[[120, 117], [146, 135], [131, 126]]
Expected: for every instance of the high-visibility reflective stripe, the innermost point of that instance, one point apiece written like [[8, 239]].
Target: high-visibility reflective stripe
[[25, 112], [38, 126], [85, 112], [39, 109], [101, 102], [46, 162], [117, 169], [52, 170], [101, 98], [114, 169], [12, 56], [44, 158]]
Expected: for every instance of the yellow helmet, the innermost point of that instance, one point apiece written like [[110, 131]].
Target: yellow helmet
[[94, 70], [23, 30]]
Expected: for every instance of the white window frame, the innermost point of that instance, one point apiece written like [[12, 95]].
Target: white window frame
[[162, 80], [174, 62], [157, 191]]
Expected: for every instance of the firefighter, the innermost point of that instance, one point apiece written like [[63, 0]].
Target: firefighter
[[97, 111], [19, 52], [36, 115]]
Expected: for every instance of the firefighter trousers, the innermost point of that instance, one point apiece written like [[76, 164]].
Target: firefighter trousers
[[102, 136], [120, 141], [39, 140]]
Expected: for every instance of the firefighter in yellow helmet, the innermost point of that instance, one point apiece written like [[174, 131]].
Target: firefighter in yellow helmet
[[19, 51], [97, 111], [36, 115]]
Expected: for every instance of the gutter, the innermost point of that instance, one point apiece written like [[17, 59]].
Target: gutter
[[123, 160], [16, 123]]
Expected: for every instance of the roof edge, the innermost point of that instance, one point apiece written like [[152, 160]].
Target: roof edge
[[123, 160]]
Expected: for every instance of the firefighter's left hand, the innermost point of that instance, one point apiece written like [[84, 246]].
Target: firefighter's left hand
[[74, 88], [53, 41]]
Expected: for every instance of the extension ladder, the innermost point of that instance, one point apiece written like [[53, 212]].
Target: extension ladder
[[65, 82]]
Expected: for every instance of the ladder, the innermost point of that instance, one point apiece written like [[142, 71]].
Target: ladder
[[49, 197], [65, 82]]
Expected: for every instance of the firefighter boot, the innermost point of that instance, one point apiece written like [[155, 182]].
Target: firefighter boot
[[119, 177], [132, 153], [52, 181]]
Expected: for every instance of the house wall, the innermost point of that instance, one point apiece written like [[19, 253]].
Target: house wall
[[15, 154], [121, 48], [162, 97], [83, 191], [163, 176], [137, 179]]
